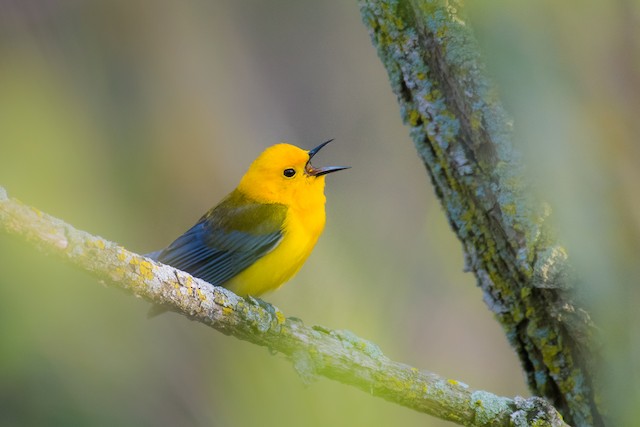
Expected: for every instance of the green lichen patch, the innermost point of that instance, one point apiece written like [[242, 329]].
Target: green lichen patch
[[488, 407], [350, 340]]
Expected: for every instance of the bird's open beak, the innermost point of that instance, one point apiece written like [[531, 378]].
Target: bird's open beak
[[313, 171]]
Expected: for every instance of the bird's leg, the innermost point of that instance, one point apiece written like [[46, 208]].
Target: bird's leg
[[262, 303], [175, 272]]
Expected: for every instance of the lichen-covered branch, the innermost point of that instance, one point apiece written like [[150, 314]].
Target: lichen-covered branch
[[465, 140], [335, 354]]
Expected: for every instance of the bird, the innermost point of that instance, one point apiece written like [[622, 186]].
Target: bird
[[259, 236]]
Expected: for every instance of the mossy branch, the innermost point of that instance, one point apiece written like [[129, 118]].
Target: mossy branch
[[465, 140], [336, 354]]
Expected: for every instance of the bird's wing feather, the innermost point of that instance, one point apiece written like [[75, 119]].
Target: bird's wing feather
[[228, 239]]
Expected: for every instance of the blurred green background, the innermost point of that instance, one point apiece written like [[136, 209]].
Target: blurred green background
[[129, 119]]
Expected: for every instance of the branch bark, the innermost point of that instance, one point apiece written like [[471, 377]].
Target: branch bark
[[336, 354], [464, 137]]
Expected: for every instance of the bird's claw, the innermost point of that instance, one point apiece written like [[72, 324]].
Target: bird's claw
[[263, 304]]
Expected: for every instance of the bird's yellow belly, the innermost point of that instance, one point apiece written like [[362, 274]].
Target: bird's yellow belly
[[301, 232]]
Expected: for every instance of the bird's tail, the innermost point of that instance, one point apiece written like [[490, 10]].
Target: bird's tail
[[156, 310], [154, 255]]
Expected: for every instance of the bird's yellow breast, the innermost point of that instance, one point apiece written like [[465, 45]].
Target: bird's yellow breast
[[301, 229]]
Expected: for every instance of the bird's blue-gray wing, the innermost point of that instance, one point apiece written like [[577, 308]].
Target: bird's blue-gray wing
[[226, 240]]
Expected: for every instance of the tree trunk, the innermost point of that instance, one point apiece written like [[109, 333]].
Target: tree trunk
[[464, 137]]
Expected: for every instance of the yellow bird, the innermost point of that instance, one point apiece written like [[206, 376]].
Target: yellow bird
[[259, 236]]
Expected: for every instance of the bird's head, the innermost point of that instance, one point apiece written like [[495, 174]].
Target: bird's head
[[283, 173]]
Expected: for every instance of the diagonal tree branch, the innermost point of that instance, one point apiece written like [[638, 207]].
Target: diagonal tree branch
[[336, 354], [465, 141]]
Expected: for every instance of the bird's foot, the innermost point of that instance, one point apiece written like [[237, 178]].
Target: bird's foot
[[263, 304]]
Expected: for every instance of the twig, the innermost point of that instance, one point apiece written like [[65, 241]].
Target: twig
[[335, 354]]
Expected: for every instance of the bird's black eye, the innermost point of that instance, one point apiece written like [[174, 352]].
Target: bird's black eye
[[289, 172]]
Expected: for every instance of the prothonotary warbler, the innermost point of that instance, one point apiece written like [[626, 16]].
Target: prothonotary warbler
[[259, 236]]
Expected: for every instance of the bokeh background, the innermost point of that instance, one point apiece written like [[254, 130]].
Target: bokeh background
[[129, 119]]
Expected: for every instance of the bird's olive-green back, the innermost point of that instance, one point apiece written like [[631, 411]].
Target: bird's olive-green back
[[237, 212]]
